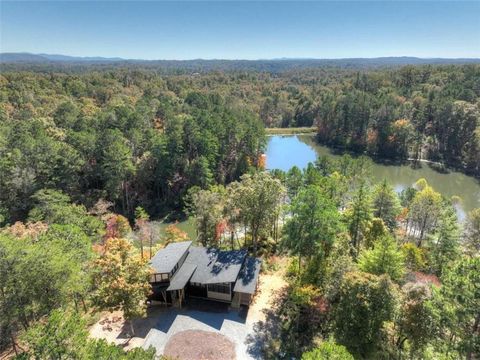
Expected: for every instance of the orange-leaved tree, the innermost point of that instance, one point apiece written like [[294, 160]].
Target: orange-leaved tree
[[120, 279]]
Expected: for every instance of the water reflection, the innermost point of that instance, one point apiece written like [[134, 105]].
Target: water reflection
[[283, 152]]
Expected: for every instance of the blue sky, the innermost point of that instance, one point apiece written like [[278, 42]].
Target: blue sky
[[242, 30]]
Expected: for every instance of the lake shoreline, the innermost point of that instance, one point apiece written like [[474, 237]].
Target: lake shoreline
[[440, 167], [290, 131], [285, 151]]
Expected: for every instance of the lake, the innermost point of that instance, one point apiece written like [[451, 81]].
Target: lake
[[285, 151]]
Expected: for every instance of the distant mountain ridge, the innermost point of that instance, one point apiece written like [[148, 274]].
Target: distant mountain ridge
[[28, 57], [10, 61]]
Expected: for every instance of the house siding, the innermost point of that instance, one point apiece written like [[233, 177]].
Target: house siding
[[219, 296], [245, 299]]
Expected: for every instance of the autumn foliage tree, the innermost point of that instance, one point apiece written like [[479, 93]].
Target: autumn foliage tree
[[120, 280], [174, 234], [424, 211], [117, 226]]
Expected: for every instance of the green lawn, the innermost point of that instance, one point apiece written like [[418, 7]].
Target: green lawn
[[186, 225], [290, 131]]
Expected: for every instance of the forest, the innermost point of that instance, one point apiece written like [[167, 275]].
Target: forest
[[372, 274], [88, 159], [128, 120]]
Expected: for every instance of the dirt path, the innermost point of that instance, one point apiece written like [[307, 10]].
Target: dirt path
[[270, 283]]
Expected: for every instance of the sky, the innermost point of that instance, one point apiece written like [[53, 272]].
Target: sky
[[242, 30]]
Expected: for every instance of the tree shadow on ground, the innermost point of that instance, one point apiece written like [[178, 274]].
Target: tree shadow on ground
[[262, 343], [142, 326], [290, 326]]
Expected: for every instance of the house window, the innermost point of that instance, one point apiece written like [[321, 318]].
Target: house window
[[219, 288], [156, 278]]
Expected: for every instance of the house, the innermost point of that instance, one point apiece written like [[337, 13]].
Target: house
[[182, 270]]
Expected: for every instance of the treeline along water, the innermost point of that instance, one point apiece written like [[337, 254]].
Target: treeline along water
[[286, 151]]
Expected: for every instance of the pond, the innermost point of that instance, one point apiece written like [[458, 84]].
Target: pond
[[285, 151]]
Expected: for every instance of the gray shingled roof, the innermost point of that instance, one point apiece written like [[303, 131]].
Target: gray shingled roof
[[215, 266], [248, 277], [166, 258], [203, 258], [181, 277], [226, 267]]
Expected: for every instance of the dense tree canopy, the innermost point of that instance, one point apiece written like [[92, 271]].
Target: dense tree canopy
[[89, 157], [381, 291], [366, 303], [135, 139], [384, 258], [328, 351], [64, 336]]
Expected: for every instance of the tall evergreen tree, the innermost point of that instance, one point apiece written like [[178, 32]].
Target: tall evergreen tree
[[471, 233], [314, 224], [384, 258], [358, 215], [444, 242], [386, 204]]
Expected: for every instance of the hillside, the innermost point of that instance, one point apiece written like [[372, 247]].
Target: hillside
[[22, 61]]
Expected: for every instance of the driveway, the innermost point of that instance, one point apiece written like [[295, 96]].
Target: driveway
[[231, 324], [247, 330]]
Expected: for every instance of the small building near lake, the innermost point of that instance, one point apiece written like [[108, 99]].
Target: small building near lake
[[182, 270]]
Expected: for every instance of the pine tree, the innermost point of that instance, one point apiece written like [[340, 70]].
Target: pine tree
[[384, 258], [386, 204], [358, 215]]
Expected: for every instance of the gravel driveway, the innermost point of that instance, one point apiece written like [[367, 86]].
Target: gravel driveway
[[245, 329], [171, 321]]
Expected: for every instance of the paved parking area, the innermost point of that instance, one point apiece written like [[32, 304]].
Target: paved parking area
[[232, 324], [248, 330]]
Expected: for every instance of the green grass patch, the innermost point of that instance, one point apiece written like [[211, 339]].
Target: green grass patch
[[290, 131]]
